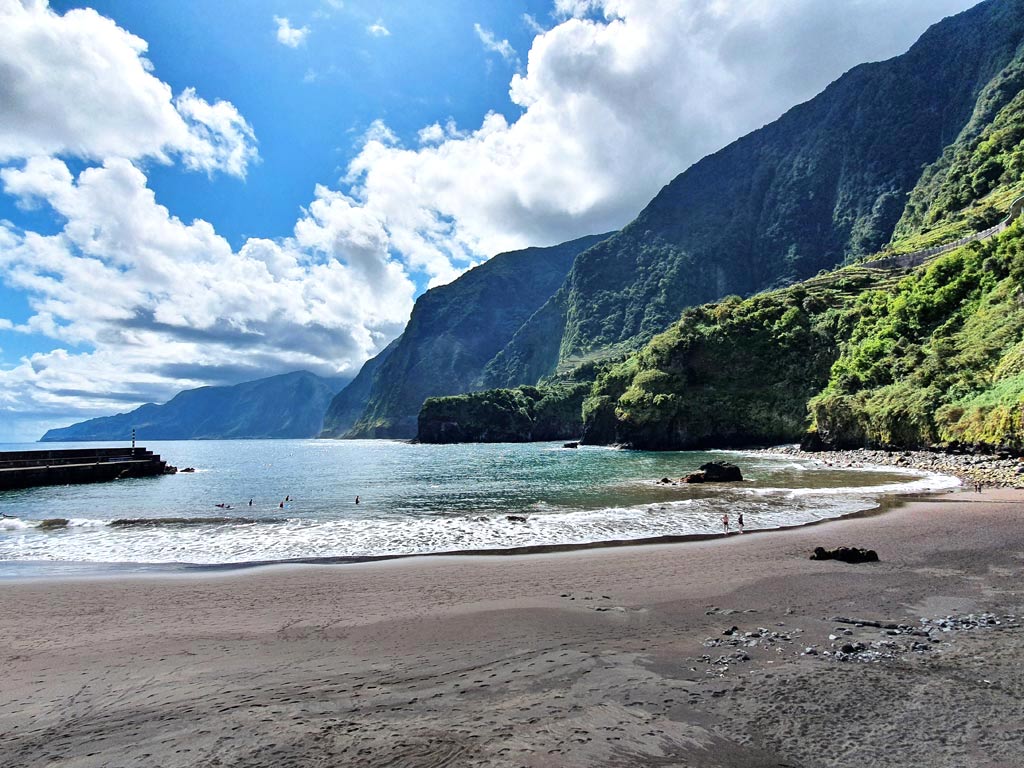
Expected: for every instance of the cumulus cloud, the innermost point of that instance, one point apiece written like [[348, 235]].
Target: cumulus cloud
[[377, 29], [492, 44], [78, 85], [140, 290], [288, 35]]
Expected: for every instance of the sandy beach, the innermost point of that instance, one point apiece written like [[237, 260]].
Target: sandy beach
[[612, 657]]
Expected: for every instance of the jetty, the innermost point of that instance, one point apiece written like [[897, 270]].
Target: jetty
[[26, 469]]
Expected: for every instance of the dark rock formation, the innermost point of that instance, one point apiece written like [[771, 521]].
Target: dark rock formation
[[715, 472], [846, 555]]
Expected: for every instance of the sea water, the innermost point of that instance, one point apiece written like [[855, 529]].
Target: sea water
[[414, 499]]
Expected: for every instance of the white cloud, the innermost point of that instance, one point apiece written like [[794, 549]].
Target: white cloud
[[532, 24], [377, 29], [159, 305], [78, 85], [501, 47], [288, 35]]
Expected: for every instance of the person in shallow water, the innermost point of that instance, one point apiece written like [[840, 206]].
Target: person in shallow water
[[357, 499], [725, 522], [739, 522]]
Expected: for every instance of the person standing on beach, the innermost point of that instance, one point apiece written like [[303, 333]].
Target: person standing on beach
[[739, 522], [725, 522]]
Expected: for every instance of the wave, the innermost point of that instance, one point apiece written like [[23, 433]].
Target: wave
[[160, 522], [61, 523]]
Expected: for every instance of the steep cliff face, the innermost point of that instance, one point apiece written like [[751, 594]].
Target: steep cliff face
[[291, 405], [825, 183], [455, 330], [348, 405]]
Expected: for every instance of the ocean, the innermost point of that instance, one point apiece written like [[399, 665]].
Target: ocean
[[414, 499]]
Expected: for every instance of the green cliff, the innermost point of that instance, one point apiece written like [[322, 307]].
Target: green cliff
[[518, 415], [938, 361], [868, 355], [857, 357]]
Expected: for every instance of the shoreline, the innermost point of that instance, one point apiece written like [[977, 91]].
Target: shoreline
[[624, 656], [117, 570]]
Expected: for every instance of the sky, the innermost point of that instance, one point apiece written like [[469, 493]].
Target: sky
[[197, 192]]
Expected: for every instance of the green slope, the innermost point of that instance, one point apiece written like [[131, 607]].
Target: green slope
[[940, 360]]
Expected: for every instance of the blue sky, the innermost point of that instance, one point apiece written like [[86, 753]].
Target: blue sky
[[196, 192]]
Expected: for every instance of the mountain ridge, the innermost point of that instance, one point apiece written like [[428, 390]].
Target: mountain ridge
[[288, 405]]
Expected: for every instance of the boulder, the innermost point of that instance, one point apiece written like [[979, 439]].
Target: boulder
[[846, 554], [573, 444], [715, 472], [53, 523], [721, 472], [515, 518]]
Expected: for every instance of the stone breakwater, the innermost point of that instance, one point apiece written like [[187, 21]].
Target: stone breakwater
[[991, 470]]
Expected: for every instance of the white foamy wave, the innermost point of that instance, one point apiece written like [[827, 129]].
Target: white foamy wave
[[928, 482], [84, 522], [12, 524]]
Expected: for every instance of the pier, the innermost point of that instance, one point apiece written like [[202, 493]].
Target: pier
[[26, 469]]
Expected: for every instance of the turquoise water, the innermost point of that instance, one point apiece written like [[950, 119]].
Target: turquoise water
[[415, 499]]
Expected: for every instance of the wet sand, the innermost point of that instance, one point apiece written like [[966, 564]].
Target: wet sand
[[610, 657]]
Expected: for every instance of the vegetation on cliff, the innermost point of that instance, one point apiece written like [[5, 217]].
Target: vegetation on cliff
[[739, 372], [518, 415], [858, 357], [939, 360]]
